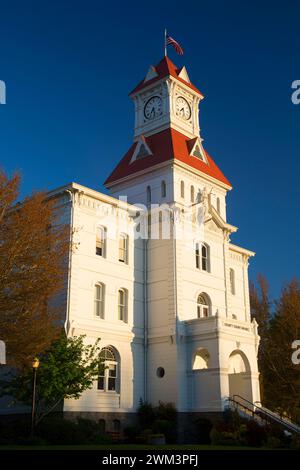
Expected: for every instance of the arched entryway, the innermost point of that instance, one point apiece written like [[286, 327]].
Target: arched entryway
[[239, 375]]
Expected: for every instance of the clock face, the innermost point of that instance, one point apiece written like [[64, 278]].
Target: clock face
[[183, 108], [153, 107]]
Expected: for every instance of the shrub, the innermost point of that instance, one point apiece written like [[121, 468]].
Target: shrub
[[167, 428], [144, 436], [162, 418], [204, 427], [218, 437], [273, 442], [255, 434], [60, 431], [131, 432], [165, 411], [145, 414], [31, 441], [11, 431], [295, 444]]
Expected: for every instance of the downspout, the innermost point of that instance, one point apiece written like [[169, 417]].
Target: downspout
[[145, 316], [175, 271], [225, 235], [66, 325]]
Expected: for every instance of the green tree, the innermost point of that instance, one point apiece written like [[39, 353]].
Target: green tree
[[66, 370]]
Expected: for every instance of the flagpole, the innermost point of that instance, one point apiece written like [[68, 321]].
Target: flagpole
[[165, 42]]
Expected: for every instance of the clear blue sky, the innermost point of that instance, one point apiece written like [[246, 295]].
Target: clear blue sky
[[69, 65]]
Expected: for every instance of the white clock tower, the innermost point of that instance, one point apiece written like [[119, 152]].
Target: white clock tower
[[200, 343], [166, 98]]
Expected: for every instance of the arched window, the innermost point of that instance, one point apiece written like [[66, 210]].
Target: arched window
[[201, 359], [123, 305], [148, 194], [218, 205], [163, 189], [192, 194], [181, 188], [101, 241], [123, 248], [99, 300], [232, 281], [108, 370], [202, 306], [202, 256]]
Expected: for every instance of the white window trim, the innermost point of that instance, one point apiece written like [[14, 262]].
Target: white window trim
[[106, 377], [124, 249], [101, 240], [100, 301], [124, 305]]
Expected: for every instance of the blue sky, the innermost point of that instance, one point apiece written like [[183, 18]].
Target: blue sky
[[69, 66]]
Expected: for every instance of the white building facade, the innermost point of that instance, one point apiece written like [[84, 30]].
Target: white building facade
[[171, 309]]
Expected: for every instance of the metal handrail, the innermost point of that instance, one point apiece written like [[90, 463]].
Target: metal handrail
[[273, 416]]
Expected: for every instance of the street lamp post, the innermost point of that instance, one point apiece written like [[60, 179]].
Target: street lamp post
[[35, 365]]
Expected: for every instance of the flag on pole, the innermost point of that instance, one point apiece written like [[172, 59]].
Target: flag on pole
[[175, 44]]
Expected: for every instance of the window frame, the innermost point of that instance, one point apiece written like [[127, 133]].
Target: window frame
[[123, 307], [101, 241], [105, 366], [202, 258], [99, 301], [203, 306], [123, 250]]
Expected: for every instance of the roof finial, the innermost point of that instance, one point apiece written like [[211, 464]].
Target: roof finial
[[165, 42]]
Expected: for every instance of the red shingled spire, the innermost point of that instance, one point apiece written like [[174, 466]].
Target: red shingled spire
[[165, 146], [164, 69]]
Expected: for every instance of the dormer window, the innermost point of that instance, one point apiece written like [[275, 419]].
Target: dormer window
[[197, 152], [142, 152], [196, 149]]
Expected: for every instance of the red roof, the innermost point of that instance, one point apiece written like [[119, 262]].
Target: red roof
[[165, 146], [163, 69]]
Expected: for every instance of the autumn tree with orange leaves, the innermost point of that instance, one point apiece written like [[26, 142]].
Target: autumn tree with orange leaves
[[34, 247], [278, 327]]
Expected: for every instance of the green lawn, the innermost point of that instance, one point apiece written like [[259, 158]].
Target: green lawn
[[129, 447]]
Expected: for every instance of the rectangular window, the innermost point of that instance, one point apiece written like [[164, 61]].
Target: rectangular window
[[197, 254], [100, 241], [101, 377], [99, 300], [123, 249], [204, 258], [205, 311], [112, 377], [122, 305], [199, 311]]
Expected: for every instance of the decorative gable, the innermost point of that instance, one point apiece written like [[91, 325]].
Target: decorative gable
[[196, 149], [184, 75], [151, 73], [142, 150]]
